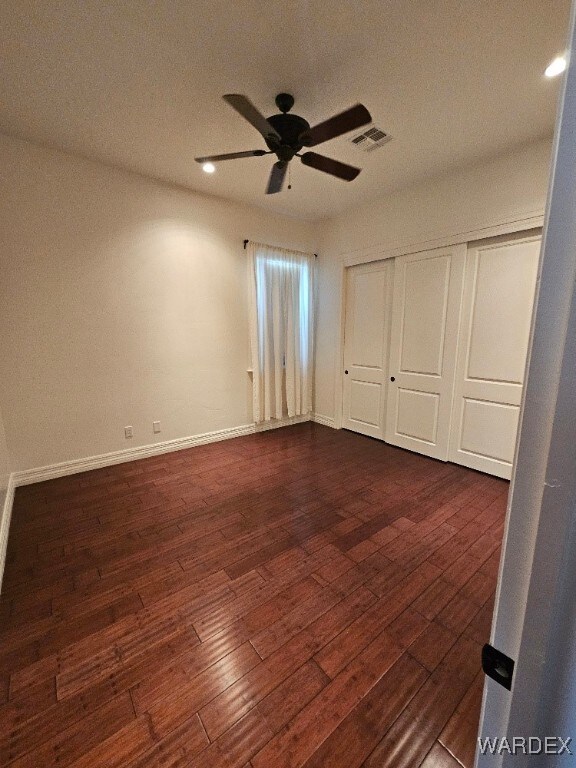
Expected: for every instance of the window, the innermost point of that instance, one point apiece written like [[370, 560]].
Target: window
[[281, 331]]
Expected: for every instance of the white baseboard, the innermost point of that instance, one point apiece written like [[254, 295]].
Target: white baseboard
[[5, 515], [51, 471], [264, 426], [39, 474], [327, 421]]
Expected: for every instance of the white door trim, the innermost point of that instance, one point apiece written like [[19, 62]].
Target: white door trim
[[532, 220]]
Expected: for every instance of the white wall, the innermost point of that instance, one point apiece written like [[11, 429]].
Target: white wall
[[509, 188], [122, 302]]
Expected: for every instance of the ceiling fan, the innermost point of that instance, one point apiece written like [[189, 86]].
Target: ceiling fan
[[287, 134]]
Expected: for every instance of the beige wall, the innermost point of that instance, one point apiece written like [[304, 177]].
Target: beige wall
[[122, 302], [508, 188]]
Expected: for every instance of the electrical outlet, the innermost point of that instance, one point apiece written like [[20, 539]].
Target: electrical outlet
[[127, 432], [156, 427]]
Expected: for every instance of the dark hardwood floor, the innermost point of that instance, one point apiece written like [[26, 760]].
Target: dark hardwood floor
[[299, 597]]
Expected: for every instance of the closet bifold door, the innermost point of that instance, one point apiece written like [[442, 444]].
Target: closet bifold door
[[366, 339], [499, 288], [427, 298]]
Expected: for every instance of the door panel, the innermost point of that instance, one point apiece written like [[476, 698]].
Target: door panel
[[367, 327], [489, 429], [501, 311], [425, 297], [499, 286], [417, 415], [366, 340], [365, 402], [425, 317]]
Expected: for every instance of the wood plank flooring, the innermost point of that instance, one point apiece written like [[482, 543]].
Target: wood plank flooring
[[299, 597]]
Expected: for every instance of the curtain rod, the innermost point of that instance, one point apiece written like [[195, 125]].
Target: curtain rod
[[247, 241]]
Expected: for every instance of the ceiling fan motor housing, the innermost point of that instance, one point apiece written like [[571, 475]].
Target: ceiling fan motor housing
[[289, 127]]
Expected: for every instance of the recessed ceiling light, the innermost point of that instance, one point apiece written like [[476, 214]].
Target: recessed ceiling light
[[555, 67], [208, 167]]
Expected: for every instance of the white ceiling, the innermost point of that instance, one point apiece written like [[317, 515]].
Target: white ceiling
[[138, 83]]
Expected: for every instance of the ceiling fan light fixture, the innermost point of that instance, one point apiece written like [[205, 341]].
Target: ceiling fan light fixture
[[208, 167], [556, 67]]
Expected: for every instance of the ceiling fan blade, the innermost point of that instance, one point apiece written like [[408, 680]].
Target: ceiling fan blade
[[346, 121], [326, 164], [232, 156], [244, 107], [276, 179]]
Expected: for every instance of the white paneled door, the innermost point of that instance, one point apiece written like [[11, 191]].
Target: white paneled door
[[366, 340], [427, 298], [499, 286], [435, 350]]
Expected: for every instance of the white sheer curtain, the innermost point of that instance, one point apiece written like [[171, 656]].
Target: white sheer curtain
[[281, 332]]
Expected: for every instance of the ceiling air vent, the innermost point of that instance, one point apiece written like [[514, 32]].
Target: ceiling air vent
[[370, 139]]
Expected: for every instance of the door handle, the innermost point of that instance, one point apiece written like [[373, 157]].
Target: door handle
[[392, 378], [346, 372]]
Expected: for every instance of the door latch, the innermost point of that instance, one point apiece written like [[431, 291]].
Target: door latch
[[498, 666]]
